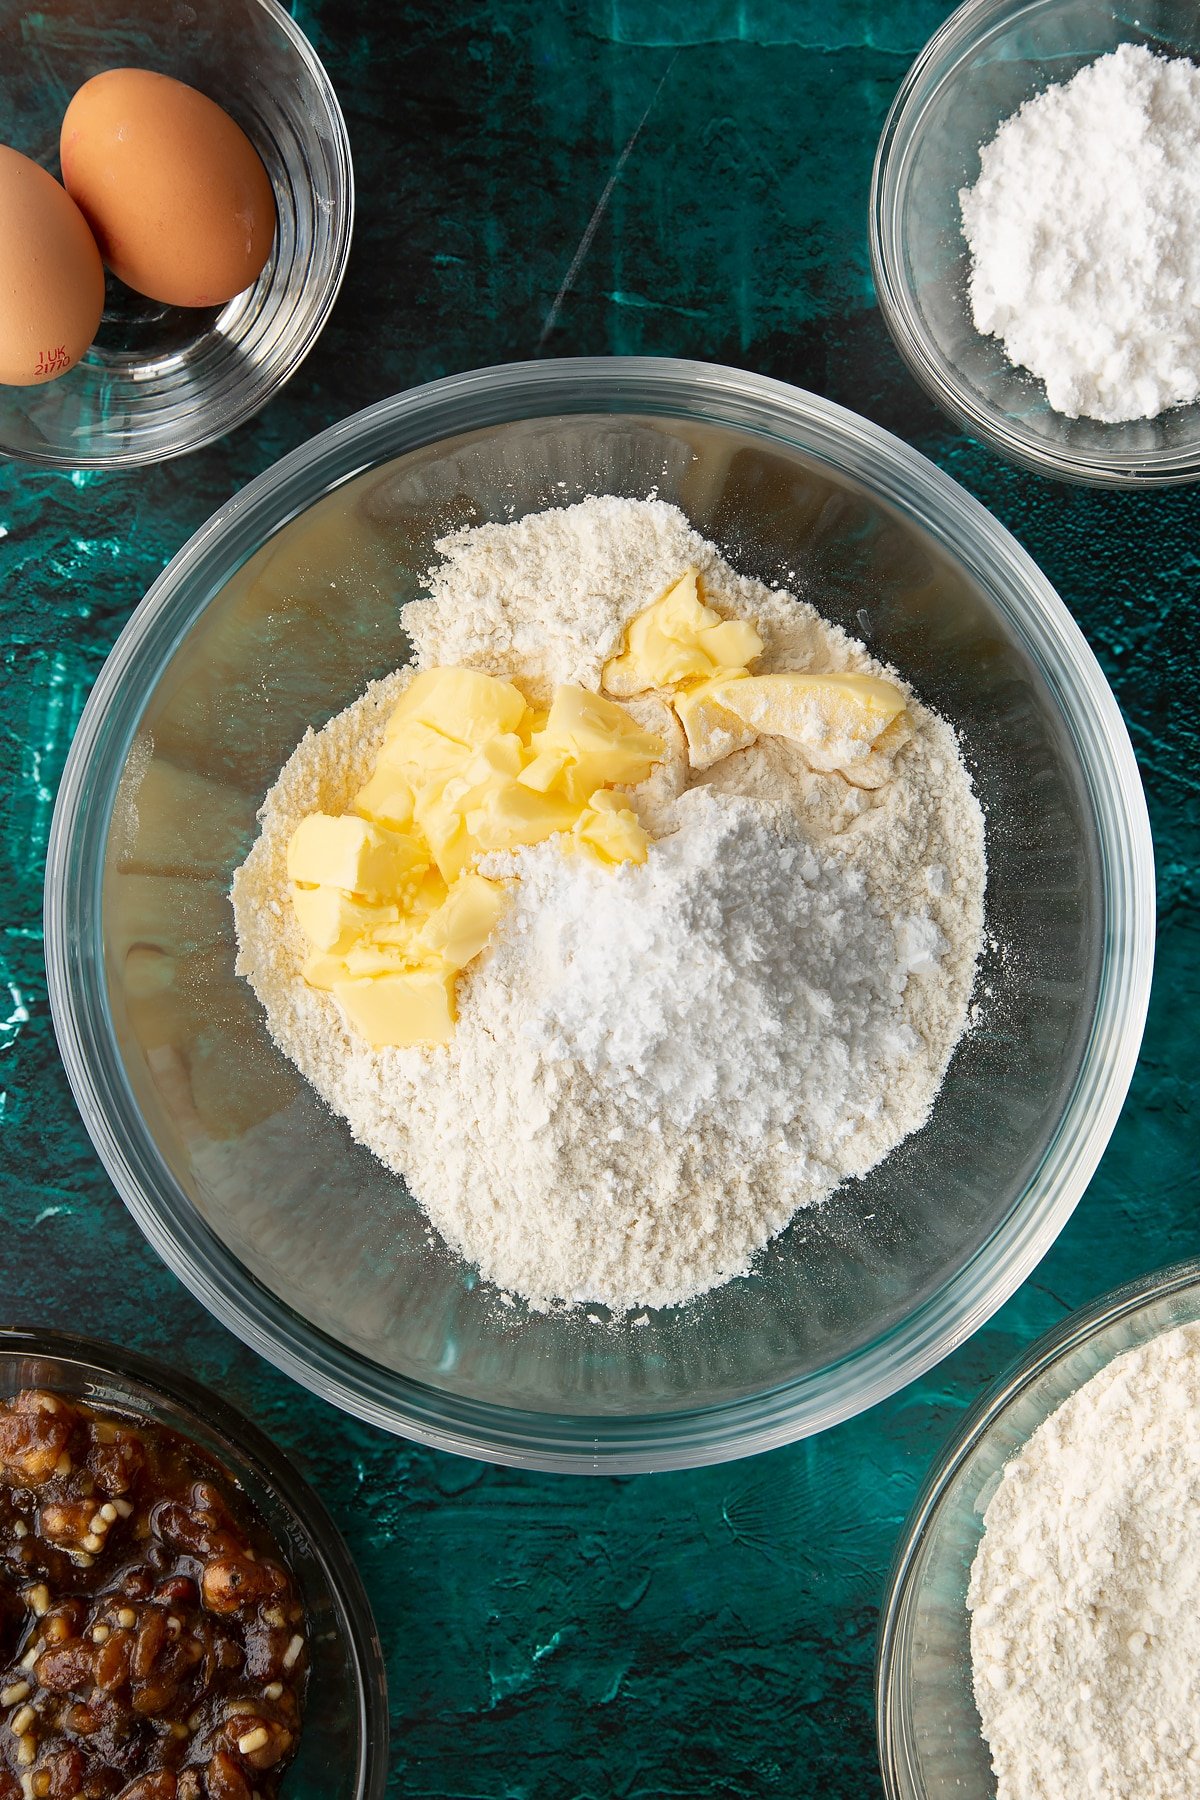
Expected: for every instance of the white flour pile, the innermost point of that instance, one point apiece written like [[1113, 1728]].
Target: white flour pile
[[654, 1066], [1084, 232], [1085, 1592]]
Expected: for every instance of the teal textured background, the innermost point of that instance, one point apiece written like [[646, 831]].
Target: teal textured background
[[584, 176]]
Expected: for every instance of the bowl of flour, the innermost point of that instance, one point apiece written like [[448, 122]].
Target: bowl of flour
[[1035, 234], [725, 1146], [1039, 1637]]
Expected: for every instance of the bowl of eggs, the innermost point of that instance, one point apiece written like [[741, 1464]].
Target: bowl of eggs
[[178, 188]]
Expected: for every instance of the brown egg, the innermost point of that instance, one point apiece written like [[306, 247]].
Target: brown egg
[[51, 278], [174, 191]]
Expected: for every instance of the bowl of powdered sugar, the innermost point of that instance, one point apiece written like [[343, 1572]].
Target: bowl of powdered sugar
[[601, 913], [1041, 1634], [1035, 233]]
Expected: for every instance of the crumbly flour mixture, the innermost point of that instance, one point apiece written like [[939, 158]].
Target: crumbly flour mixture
[[653, 1066], [1085, 1592], [1084, 232]]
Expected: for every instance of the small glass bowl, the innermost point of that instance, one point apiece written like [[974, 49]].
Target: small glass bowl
[[931, 1745], [161, 380], [988, 59], [343, 1745]]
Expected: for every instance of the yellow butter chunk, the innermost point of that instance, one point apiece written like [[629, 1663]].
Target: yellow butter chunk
[[355, 854], [332, 920], [428, 897], [514, 815], [321, 970], [460, 704], [464, 922], [610, 831], [873, 769], [589, 742], [387, 798], [834, 719], [679, 638], [372, 957], [388, 895], [417, 753], [406, 1007], [712, 730], [441, 824], [545, 770]]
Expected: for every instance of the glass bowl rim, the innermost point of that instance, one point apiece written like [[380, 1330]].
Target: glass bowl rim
[[209, 427], [605, 1443], [958, 36], [1051, 1347], [246, 1440]]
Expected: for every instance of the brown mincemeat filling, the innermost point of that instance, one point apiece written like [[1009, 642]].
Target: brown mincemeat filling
[[152, 1641]]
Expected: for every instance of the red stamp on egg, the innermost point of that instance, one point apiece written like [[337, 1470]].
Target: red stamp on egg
[[53, 362]]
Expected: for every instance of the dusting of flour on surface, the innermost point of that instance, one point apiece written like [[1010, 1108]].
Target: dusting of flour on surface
[[654, 1066], [1085, 1590]]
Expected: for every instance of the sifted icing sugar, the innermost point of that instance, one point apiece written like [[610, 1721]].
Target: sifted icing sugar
[[1084, 232]]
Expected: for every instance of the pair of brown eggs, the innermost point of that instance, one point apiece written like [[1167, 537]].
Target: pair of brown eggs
[[159, 183]]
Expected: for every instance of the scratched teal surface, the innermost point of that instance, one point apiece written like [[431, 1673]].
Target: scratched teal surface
[[565, 176]]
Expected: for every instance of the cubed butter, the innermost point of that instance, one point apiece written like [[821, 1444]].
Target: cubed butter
[[388, 895], [413, 1006], [612, 833], [835, 719], [321, 970], [332, 920], [712, 729], [678, 639], [595, 744], [544, 770], [429, 895], [369, 957], [355, 854], [873, 769], [419, 754], [401, 941], [459, 703], [514, 815], [387, 798], [441, 824], [464, 922]]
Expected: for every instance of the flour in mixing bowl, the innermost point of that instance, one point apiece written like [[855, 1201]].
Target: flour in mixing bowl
[[1085, 1591], [653, 1066]]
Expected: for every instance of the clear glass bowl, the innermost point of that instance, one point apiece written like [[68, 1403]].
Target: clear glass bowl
[[931, 1744], [278, 612], [988, 58], [342, 1753], [160, 380]]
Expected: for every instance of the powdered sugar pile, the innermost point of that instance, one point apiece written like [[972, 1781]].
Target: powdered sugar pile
[[653, 1067], [736, 938], [1084, 232], [1085, 1591]]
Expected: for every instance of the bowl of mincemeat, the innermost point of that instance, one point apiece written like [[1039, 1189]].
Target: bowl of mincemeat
[[600, 914], [179, 1617]]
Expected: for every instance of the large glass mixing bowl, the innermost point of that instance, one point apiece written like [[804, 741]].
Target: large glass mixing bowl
[[278, 612]]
